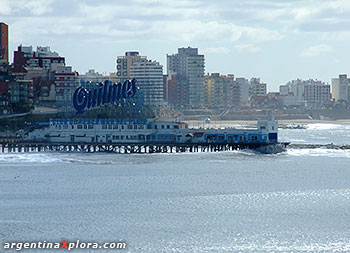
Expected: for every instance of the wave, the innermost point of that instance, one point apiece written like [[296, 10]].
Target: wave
[[325, 126], [29, 158], [318, 152]]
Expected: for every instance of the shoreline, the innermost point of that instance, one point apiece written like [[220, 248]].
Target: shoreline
[[196, 123]]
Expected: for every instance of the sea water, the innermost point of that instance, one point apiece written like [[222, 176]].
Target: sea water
[[237, 201]]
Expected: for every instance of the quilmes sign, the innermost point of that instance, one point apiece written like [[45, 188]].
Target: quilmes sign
[[127, 95]]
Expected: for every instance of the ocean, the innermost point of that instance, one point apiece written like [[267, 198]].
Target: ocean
[[237, 201]]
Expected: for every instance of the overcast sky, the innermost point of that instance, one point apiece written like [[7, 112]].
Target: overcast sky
[[276, 40]]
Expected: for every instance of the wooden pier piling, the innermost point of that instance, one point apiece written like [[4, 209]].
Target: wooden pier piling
[[126, 148]]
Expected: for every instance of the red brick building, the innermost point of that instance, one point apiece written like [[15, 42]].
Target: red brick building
[[4, 42], [42, 58]]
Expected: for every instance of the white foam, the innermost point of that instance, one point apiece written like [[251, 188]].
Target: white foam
[[319, 152], [323, 126], [29, 158]]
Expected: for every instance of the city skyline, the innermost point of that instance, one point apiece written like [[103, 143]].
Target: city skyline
[[277, 41]]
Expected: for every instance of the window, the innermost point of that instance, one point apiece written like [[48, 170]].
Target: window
[[135, 126], [115, 126], [85, 127], [80, 126], [162, 126], [141, 127], [129, 126], [168, 126], [110, 126], [104, 126], [90, 126]]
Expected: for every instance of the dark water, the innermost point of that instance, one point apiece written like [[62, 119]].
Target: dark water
[[295, 201]]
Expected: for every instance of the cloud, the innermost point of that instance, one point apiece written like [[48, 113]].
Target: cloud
[[247, 48], [316, 50], [21, 7], [155, 20], [216, 50], [5, 8]]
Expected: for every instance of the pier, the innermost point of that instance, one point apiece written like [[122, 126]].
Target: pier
[[125, 148]]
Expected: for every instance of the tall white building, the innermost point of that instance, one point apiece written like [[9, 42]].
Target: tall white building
[[341, 88], [149, 77], [244, 91], [148, 74], [66, 82], [189, 68], [308, 92]]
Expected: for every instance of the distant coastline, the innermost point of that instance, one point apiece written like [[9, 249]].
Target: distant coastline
[[228, 123]]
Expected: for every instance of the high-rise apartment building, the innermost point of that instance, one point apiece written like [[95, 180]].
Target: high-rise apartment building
[[243, 84], [310, 93], [188, 66], [4, 42], [257, 88], [66, 82], [148, 74], [43, 57], [223, 91], [214, 92], [124, 64], [149, 77], [341, 88]]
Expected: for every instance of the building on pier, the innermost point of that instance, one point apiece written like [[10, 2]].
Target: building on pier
[[148, 131]]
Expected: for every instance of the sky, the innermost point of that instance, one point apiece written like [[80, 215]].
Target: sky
[[276, 40]]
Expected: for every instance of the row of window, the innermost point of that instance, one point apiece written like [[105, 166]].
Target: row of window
[[122, 127], [119, 61], [98, 121], [103, 127], [235, 138], [124, 73], [165, 126], [127, 137], [161, 138]]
